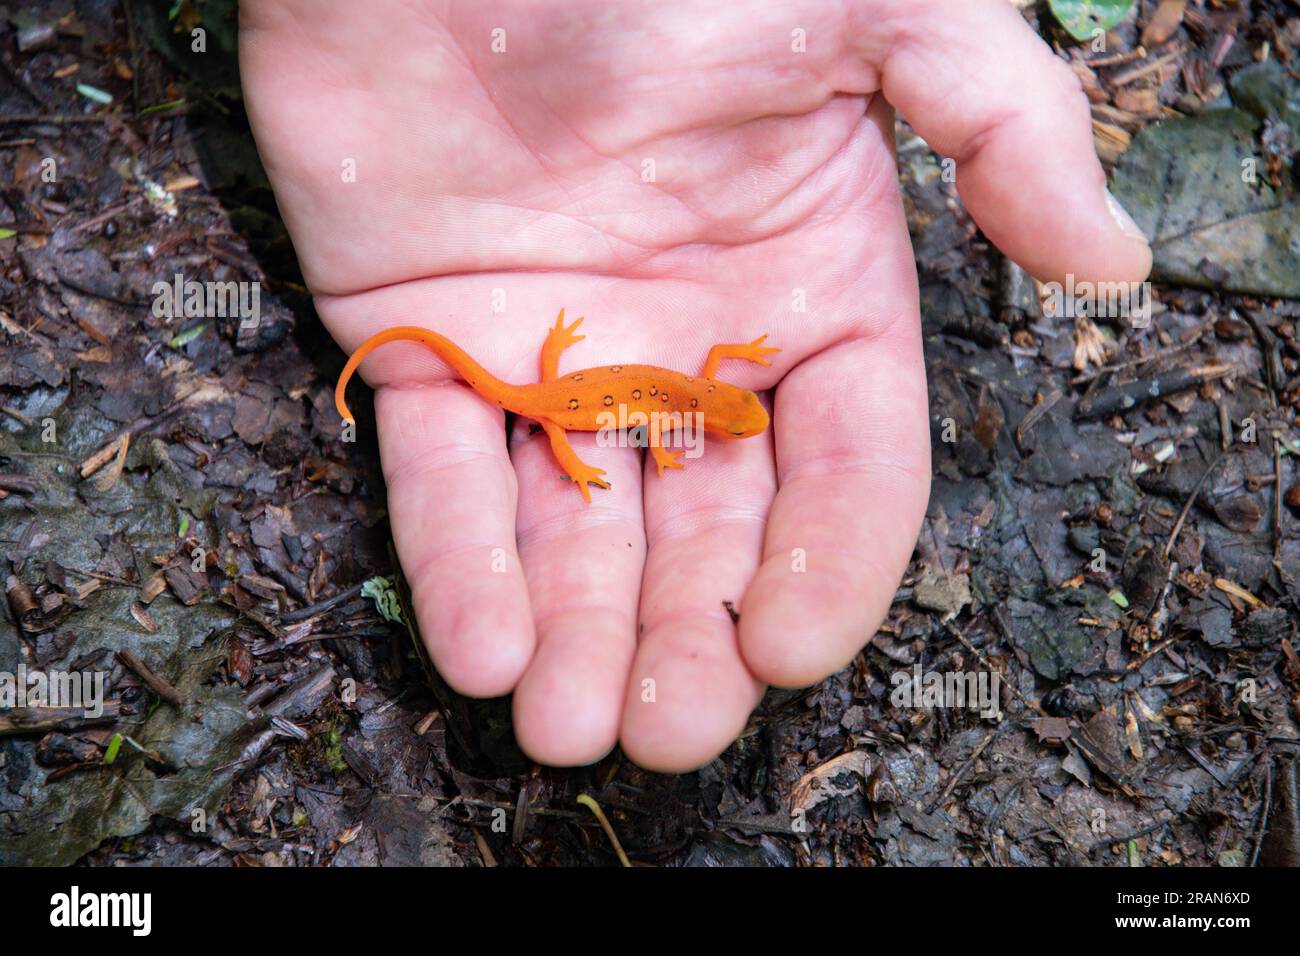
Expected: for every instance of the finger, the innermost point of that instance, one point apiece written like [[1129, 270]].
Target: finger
[[690, 693], [983, 89], [583, 565], [451, 495], [853, 463]]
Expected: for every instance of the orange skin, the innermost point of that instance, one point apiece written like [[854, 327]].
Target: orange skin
[[582, 401]]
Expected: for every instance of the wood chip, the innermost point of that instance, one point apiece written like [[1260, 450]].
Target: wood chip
[[108, 479], [181, 183], [143, 617], [1110, 141], [1164, 23], [185, 584], [154, 586], [1230, 587], [100, 458]]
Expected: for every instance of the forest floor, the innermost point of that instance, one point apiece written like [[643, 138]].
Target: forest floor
[[1112, 530]]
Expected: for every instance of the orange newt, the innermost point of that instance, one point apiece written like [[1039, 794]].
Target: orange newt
[[586, 400]]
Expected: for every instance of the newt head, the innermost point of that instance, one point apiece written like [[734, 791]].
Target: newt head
[[734, 412]]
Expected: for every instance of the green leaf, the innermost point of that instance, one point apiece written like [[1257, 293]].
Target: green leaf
[[1118, 597], [159, 107], [114, 746], [380, 590], [1083, 18], [94, 93], [188, 336], [7, 233]]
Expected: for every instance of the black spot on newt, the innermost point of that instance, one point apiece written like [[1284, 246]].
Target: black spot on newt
[[573, 403]]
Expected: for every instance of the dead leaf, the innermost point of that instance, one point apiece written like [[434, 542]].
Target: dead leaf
[[817, 784]]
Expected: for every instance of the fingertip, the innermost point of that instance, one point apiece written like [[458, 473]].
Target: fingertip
[[566, 707], [582, 746], [483, 648], [799, 627], [688, 699], [1132, 238]]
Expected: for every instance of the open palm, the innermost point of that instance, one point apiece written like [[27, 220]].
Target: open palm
[[681, 174]]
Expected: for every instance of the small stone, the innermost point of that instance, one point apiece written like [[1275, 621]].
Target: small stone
[[1085, 538], [35, 36]]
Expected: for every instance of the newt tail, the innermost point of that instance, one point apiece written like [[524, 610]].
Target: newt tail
[[447, 350]]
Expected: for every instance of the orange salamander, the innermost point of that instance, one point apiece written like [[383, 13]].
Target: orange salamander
[[586, 400]]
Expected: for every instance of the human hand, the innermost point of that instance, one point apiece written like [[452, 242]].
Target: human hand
[[680, 174]]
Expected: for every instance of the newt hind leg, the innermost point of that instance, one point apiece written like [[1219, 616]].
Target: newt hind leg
[[582, 473], [559, 338], [753, 351]]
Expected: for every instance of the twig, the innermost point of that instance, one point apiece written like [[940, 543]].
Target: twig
[[1187, 505], [1137, 72], [135, 56], [38, 720], [1139, 661], [1107, 841], [1263, 817], [19, 483], [159, 686], [989, 666], [590, 803], [961, 771], [55, 119], [1123, 398], [1144, 359], [321, 606]]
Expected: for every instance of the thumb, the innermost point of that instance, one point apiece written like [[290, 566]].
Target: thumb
[[976, 82]]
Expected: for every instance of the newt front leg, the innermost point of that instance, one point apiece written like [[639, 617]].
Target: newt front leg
[[754, 351], [665, 458]]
